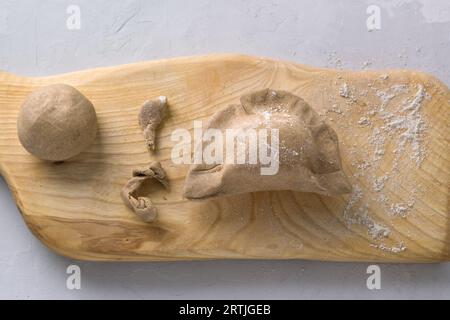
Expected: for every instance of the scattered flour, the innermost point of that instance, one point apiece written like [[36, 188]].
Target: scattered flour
[[335, 108], [364, 93], [383, 199], [395, 249], [420, 96], [402, 209], [401, 122], [360, 216], [362, 167], [344, 91], [378, 183], [411, 126], [364, 121], [356, 196], [377, 140], [399, 209], [387, 96]]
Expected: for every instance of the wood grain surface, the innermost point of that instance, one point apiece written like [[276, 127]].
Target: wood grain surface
[[399, 211]]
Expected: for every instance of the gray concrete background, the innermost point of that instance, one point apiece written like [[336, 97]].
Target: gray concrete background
[[35, 41]]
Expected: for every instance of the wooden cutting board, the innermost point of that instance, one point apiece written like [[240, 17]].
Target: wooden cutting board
[[388, 122]]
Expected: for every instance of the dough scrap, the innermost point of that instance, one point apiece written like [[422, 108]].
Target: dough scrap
[[151, 116], [309, 159], [143, 206]]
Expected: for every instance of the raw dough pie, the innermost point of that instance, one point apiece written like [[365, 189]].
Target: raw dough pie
[[308, 151]]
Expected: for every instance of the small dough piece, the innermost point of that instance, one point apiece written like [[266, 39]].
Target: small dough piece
[[151, 116], [56, 123], [309, 159], [143, 206]]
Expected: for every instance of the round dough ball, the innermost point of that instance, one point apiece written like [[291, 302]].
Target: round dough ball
[[56, 123]]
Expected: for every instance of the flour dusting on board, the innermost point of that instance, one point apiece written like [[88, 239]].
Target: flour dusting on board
[[395, 249], [391, 115]]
